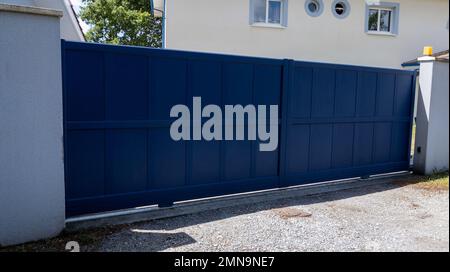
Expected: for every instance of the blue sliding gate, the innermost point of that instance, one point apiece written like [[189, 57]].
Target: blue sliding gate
[[336, 121]]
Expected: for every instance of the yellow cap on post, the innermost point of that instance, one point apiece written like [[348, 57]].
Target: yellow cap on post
[[428, 51]]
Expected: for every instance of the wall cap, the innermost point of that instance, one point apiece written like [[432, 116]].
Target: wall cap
[[426, 59], [31, 10]]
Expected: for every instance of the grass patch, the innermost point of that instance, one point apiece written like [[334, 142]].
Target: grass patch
[[436, 182]]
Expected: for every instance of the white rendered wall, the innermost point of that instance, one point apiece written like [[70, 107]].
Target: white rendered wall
[[432, 122], [70, 30], [31, 134], [223, 26]]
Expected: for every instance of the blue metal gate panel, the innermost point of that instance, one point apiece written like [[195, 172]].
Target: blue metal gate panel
[[119, 153], [336, 122], [345, 121]]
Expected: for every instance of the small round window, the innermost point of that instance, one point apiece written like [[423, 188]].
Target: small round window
[[340, 8], [314, 8]]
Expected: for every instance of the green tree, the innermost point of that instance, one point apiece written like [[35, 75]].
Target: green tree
[[126, 22]]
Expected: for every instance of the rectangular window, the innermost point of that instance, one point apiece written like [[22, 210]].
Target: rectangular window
[[382, 18], [270, 12], [260, 11], [385, 20], [274, 12], [373, 20]]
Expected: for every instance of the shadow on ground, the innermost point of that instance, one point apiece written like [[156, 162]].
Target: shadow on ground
[[158, 235], [145, 240]]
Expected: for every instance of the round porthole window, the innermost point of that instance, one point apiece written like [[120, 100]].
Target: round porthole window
[[340, 8], [314, 8]]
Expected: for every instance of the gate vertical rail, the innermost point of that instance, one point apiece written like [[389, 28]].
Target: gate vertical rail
[[286, 87]]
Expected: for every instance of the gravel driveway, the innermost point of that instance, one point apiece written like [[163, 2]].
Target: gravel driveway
[[398, 216], [388, 217]]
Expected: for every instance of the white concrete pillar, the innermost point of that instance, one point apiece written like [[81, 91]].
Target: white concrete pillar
[[31, 129], [432, 127]]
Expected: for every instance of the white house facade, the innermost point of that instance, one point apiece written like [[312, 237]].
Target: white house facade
[[360, 32], [70, 28]]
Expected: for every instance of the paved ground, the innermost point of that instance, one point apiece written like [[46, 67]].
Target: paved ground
[[391, 217]]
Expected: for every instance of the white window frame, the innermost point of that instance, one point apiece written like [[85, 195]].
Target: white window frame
[[283, 15], [379, 20], [394, 8]]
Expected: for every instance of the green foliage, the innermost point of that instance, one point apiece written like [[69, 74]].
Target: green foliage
[[373, 21], [126, 22]]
